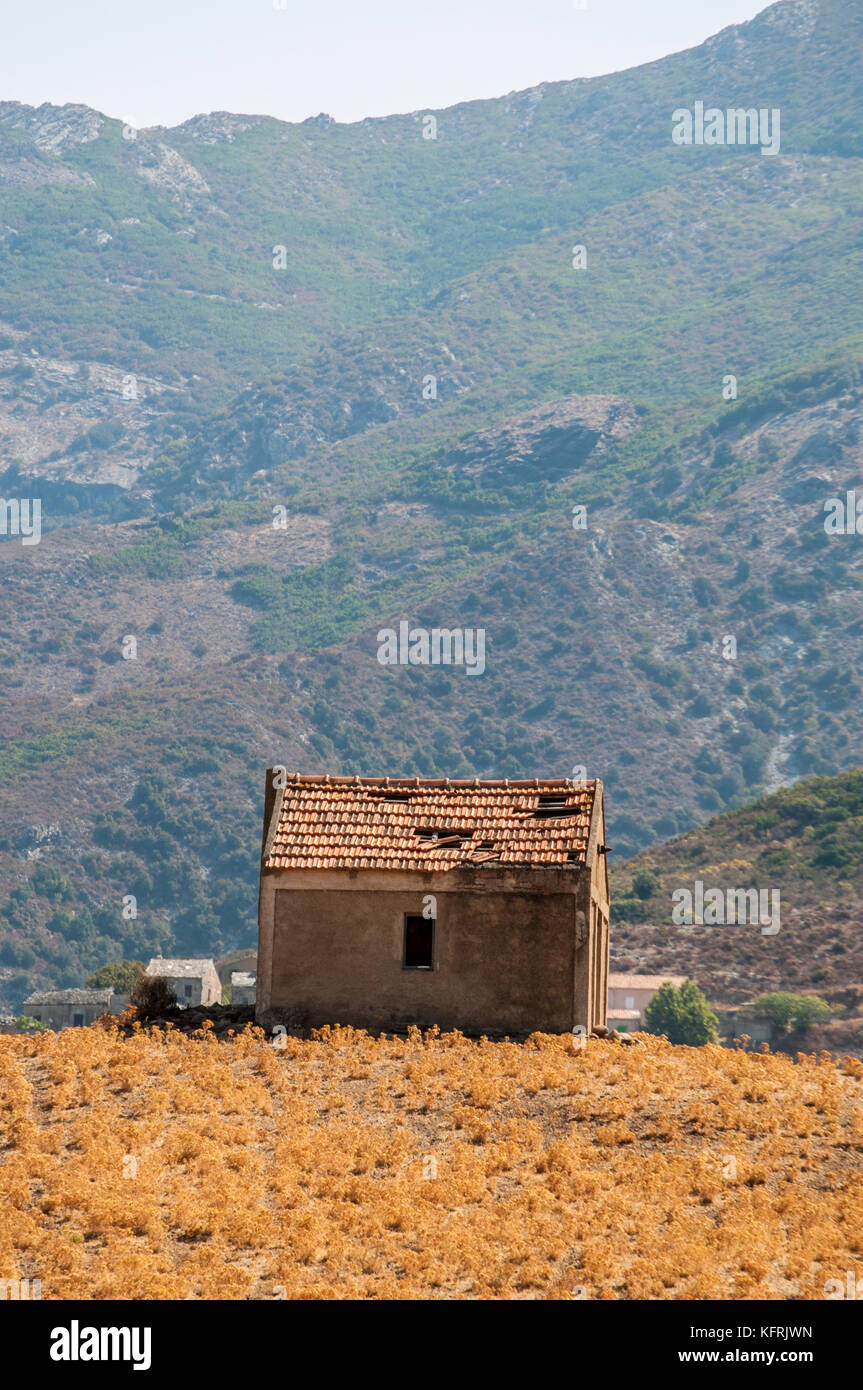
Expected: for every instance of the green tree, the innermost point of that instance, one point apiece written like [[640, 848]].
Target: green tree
[[48, 882], [644, 884], [683, 1015], [799, 1010], [33, 1025], [119, 975]]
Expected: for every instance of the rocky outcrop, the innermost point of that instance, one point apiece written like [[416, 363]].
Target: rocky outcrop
[[52, 128], [165, 168], [40, 173], [218, 127], [549, 442]]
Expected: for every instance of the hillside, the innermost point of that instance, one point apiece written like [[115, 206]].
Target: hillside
[[419, 399], [605, 649], [350, 1167], [158, 244], [805, 841]]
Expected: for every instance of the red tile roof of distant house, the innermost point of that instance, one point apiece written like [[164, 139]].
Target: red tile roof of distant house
[[417, 824]]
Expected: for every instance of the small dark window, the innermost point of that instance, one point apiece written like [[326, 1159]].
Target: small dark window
[[419, 943], [188, 991], [77, 1020]]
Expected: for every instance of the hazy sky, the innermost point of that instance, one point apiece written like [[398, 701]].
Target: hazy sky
[[162, 61]]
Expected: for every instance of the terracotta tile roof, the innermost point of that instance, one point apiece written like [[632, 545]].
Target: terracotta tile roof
[[411, 823]]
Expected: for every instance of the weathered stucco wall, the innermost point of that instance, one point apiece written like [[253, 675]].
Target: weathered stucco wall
[[506, 956], [206, 990], [58, 1015]]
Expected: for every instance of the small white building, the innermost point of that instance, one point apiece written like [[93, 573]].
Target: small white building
[[629, 996], [194, 981], [243, 987]]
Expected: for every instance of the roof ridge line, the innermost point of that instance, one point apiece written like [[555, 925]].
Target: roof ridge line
[[336, 782]]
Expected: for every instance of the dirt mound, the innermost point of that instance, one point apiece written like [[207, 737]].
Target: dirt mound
[[223, 1019]]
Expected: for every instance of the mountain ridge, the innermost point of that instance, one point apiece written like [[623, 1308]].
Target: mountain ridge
[[795, 17]]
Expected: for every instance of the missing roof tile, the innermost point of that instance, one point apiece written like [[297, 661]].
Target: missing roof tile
[[437, 833], [549, 807]]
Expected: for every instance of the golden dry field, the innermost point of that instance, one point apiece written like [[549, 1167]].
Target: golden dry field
[[165, 1166]]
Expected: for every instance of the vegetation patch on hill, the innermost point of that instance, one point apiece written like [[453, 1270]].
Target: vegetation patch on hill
[[803, 842], [808, 837]]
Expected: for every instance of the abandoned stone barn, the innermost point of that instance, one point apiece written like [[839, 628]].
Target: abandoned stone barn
[[474, 905]]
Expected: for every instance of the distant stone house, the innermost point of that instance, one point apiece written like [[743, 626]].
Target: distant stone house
[[244, 960], [193, 981], [72, 1008], [474, 905], [736, 1021], [243, 987], [629, 996]]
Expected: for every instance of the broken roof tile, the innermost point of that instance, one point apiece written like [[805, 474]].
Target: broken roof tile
[[327, 822]]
